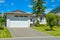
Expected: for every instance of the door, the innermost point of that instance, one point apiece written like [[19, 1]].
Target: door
[[19, 22]]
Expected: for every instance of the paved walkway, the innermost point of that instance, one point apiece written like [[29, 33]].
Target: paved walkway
[[25, 32]]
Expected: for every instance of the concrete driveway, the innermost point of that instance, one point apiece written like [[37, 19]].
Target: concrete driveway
[[26, 32]]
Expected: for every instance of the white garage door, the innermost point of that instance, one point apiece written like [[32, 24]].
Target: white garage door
[[19, 22]]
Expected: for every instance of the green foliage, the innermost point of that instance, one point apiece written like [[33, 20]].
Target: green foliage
[[43, 25], [55, 32], [51, 19], [1, 21], [1, 27], [38, 7], [37, 24], [5, 33], [4, 17]]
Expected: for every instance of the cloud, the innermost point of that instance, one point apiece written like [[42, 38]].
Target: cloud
[[48, 10], [30, 6], [29, 12], [8, 10], [53, 5], [44, 4], [53, 0], [26, 0], [12, 4], [2, 1]]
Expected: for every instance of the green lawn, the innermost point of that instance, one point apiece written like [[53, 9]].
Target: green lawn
[[56, 31], [5, 33]]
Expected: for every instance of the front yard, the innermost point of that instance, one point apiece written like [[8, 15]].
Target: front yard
[[5, 33], [55, 32]]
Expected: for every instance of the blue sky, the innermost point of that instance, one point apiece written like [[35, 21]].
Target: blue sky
[[24, 5]]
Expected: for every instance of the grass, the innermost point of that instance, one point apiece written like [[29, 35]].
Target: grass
[[5, 33], [56, 31]]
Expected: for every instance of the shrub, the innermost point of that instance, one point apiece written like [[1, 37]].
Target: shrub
[[51, 20], [1, 21], [1, 27], [43, 25], [37, 24]]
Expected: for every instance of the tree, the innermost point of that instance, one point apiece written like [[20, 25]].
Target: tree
[[5, 16], [37, 7], [51, 20], [37, 23], [1, 21]]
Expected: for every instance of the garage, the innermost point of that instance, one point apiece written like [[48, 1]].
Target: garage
[[17, 20]]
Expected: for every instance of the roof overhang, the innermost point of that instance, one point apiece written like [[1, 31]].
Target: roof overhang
[[17, 13]]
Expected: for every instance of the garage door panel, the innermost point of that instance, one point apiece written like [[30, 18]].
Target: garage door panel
[[19, 23]]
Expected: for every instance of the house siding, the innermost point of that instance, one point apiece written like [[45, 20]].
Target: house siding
[[43, 21]]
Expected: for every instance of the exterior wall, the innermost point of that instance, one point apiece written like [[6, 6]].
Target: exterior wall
[[17, 22], [58, 13], [21, 22], [59, 23], [59, 19], [33, 20], [43, 21]]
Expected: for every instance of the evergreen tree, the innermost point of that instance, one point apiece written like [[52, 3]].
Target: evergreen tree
[[37, 6]]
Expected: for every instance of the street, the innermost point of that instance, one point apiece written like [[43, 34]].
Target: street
[[32, 38]]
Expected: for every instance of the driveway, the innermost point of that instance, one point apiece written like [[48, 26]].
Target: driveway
[[26, 32]]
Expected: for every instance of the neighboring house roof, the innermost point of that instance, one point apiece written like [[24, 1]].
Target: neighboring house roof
[[56, 11], [58, 14]]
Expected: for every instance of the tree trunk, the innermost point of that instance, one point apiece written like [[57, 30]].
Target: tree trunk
[[51, 27]]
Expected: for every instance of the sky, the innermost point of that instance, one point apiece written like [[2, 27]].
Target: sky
[[24, 5]]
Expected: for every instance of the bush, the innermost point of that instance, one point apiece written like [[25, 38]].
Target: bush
[[43, 25], [51, 20], [1, 27], [37, 24]]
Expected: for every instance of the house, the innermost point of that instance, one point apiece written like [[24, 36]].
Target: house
[[57, 12], [20, 19]]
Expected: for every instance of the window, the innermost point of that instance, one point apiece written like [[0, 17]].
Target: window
[[20, 16], [25, 16], [31, 20], [41, 18], [16, 16]]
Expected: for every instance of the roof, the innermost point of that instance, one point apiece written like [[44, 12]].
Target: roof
[[19, 12], [58, 14]]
